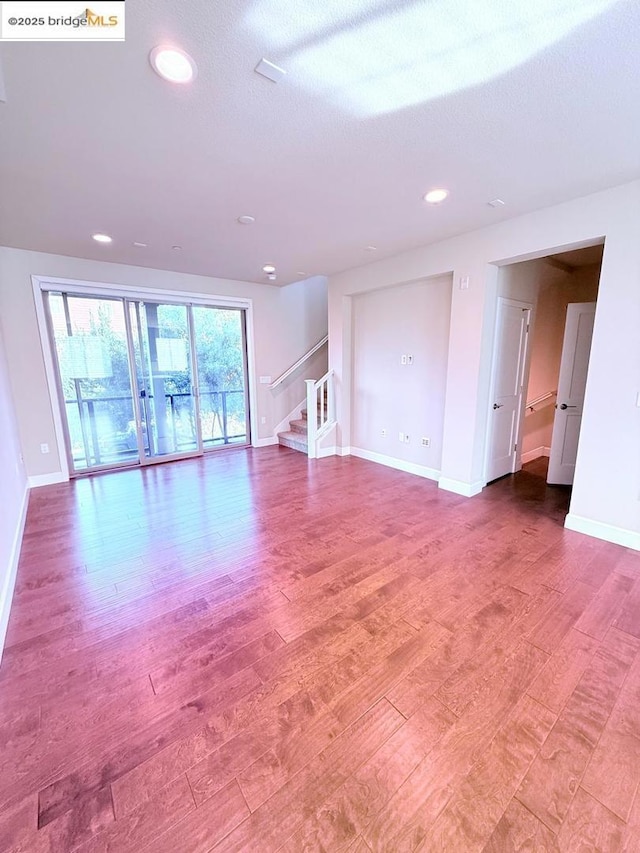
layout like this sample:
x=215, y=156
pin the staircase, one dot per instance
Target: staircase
x=304, y=435
x=296, y=436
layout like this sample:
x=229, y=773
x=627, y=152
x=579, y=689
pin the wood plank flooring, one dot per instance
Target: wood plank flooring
x=258, y=652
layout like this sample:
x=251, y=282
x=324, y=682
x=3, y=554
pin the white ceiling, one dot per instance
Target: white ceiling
x=534, y=103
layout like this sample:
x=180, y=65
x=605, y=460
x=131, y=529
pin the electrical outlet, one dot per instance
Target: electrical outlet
x=406, y=438
x=384, y=433
x=400, y=436
x=409, y=359
x=426, y=442
x=44, y=448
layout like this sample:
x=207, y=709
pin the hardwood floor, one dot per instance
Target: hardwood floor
x=254, y=652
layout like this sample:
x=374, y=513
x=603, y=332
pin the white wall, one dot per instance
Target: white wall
x=287, y=322
x=411, y=319
x=13, y=493
x=606, y=493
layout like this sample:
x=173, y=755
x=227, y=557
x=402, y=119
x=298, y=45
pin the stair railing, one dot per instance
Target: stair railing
x=321, y=409
x=530, y=405
x=299, y=362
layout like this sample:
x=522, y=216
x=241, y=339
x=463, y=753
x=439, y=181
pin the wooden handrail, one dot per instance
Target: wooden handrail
x=531, y=403
x=300, y=361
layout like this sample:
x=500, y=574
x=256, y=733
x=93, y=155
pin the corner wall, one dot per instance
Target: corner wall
x=13, y=496
x=606, y=493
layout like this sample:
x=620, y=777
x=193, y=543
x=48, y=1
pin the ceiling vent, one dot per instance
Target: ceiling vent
x=270, y=71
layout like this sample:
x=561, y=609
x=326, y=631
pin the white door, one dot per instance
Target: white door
x=510, y=354
x=574, y=363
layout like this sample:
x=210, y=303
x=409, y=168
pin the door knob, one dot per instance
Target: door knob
x=564, y=406
x=498, y=405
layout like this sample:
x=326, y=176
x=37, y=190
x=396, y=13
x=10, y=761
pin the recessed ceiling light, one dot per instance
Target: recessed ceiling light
x=496, y=202
x=102, y=238
x=139, y=245
x=268, y=268
x=177, y=248
x=301, y=273
x=272, y=276
x=172, y=64
x=436, y=196
x=246, y=220
x=371, y=248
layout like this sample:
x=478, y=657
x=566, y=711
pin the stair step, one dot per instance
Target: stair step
x=293, y=440
x=298, y=426
x=303, y=415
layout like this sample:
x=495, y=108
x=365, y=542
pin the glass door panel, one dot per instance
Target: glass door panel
x=90, y=341
x=220, y=348
x=161, y=344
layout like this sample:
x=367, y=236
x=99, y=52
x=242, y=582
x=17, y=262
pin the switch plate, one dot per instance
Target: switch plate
x=263, y=420
x=406, y=438
x=44, y=448
x=426, y=442
x=400, y=436
x=384, y=433
x=403, y=359
x=409, y=359
x=464, y=283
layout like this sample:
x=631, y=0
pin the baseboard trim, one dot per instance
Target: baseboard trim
x=600, y=530
x=47, y=479
x=6, y=594
x=265, y=442
x=343, y=451
x=536, y=453
x=323, y=452
x=398, y=464
x=460, y=487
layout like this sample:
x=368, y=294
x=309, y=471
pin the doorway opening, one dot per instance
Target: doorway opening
x=545, y=362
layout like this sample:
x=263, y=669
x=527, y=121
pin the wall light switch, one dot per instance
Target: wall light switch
x=400, y=436
x=409, y=359
x=263, y=420
x=403, y=359
x=384, y=433
x=464, y=283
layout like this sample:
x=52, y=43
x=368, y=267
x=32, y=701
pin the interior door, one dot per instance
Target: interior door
x=510, y=353
x=572, y=381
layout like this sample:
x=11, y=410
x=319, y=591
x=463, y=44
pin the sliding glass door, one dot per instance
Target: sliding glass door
x=90, y=340
x=220, y=346
x=165, y=379
x=147, y=381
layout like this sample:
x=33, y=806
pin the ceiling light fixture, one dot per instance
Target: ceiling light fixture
x=371, y=248
x=436, y=196
x=139, y=245
x=268, y=268
x=246, y=220
x=496, y=202
x=102, y=238
x=173, y=64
